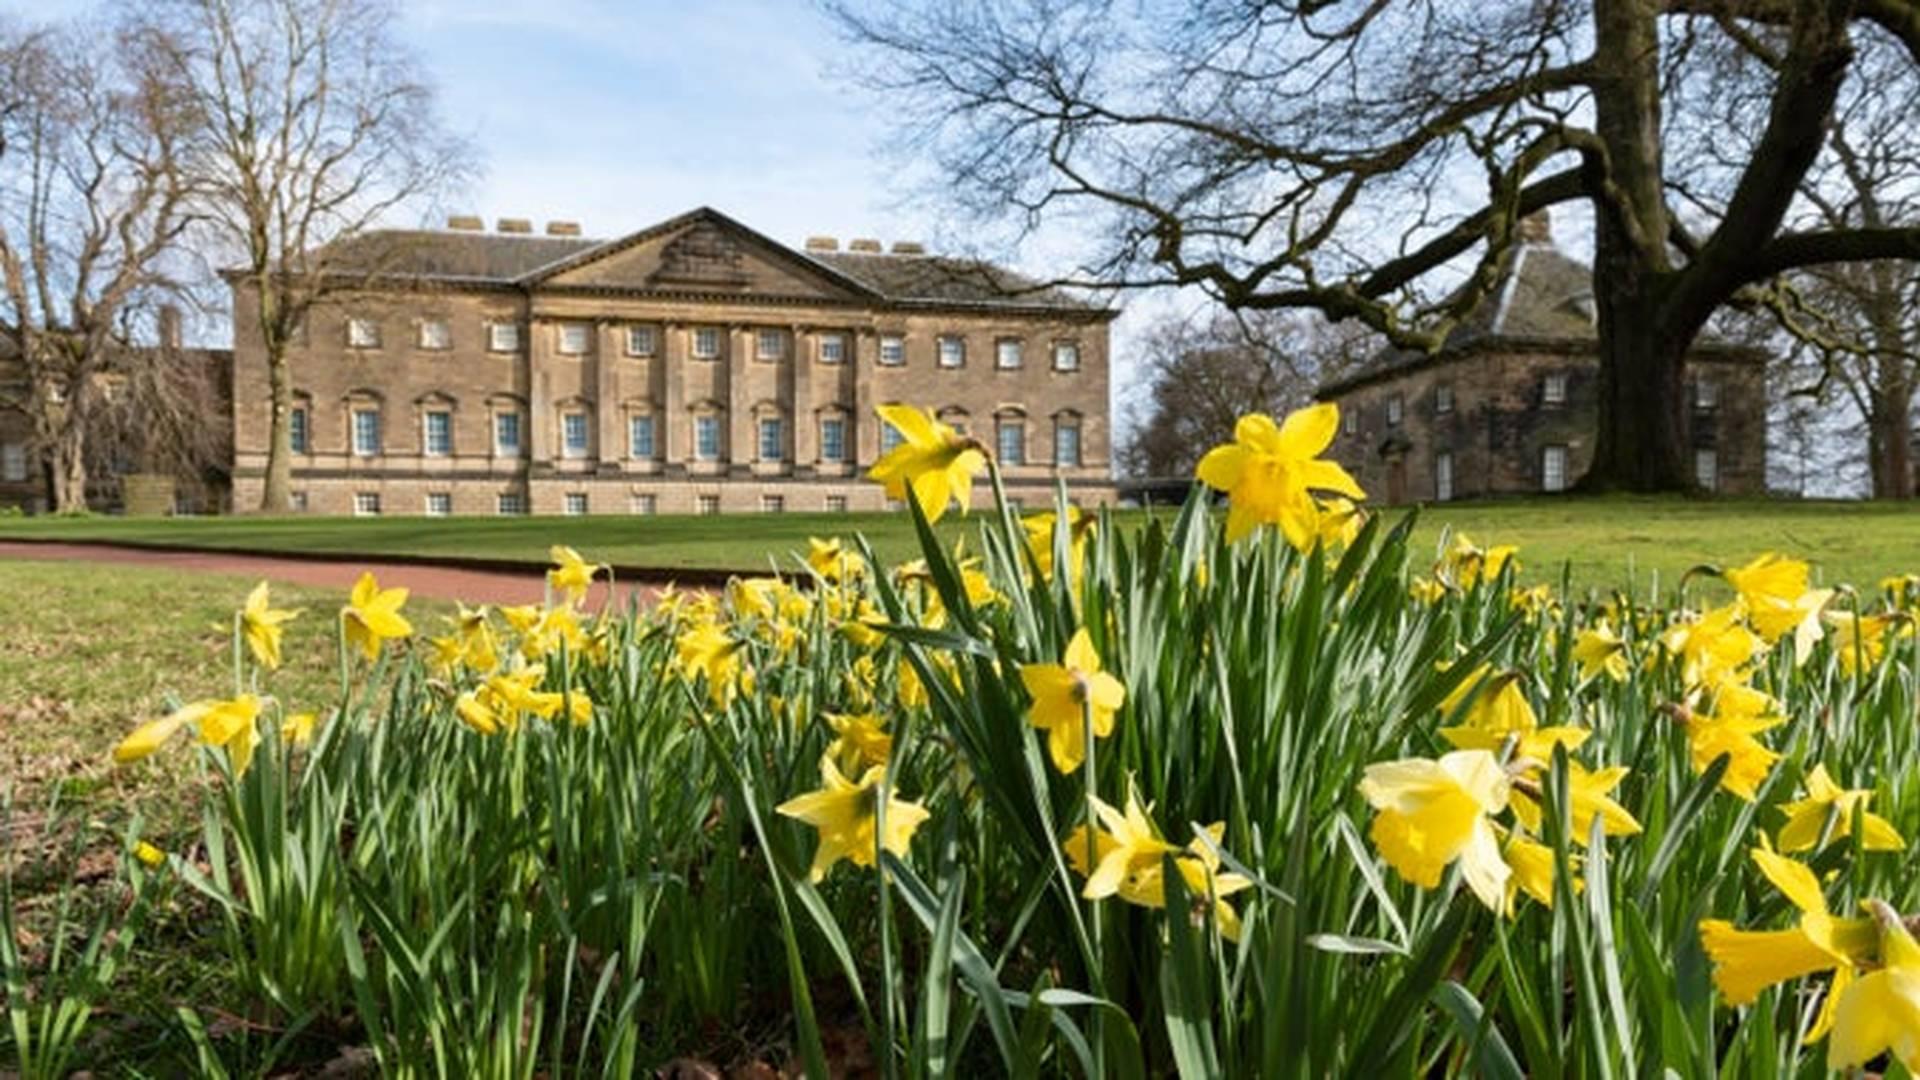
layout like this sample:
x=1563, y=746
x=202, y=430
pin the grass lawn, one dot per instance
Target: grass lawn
x=1608, y=541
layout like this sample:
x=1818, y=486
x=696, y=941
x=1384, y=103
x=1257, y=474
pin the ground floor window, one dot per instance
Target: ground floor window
x=1442, y=477
x=511, y=502
x=645, y=503
x=13, y=462
x=836, y=504
x=298, y=501
x=1706, y=469
x=707, y=504
x=575, y=503
x=439, y=503
x=1553, y=468
x=773, y=504
x=366, y=504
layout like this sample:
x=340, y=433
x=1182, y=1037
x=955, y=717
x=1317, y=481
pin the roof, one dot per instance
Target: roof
x=523, y=260
x=1542, y=296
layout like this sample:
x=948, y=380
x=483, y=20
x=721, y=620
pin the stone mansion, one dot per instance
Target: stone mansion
x=696, y=366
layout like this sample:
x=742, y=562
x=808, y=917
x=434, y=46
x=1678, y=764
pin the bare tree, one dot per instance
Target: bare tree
x=319, y=126
x=1203, y=374
x=1329, y=155
x=92, y=204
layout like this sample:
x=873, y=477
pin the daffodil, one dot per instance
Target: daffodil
x=1879, y=1013
x=1070, y=696
x=1040, y=529
x=1769, y=580
x=1340, y=521
x=1270, y=472
x=1745, y=962
x=833, y=561
x=1826, y=802
x=707, y=649
x=297, y=729
x=860, y=741
x=1859, y=641
x=933, y=461
x=1739, y=714
x=1130, y=839
x=372, y=616
x=1712, y=647
x=1598, y=650
x=1498, y=710
x=1125, y=848
x=260, y=624
x=846, y=814
x=1589, y=795
x=1431, y=813
x=571, y=575
x=149, y=855
x=1533, y=870
x=232, y=723
x=1467, y=564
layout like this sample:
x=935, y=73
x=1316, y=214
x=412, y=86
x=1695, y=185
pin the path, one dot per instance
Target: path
x=436, y=582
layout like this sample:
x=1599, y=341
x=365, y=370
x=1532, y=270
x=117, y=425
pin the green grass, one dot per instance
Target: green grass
x=1608, y=542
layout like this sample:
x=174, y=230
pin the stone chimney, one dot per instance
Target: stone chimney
x=514, y=225
x=170, y=337
x=563, y=228
x=822, y=243
x=1536, y=229
x=909, y=247
x=863, y=244
x=466, y=223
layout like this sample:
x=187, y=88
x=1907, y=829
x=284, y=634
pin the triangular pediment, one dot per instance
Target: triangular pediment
x=701, y=252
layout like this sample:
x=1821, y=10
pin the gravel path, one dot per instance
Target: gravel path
x=474, y=586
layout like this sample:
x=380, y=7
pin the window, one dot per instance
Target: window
x=366, y=504
x=836, y=504
x=439, y=503
x=574, y=503
x=640, y=436
x=890, y=437
x=297, y=429
x=1013, y=442
x=436, y=433
x=773, y=504
x=573, y=434
x=769, y=345
x=1553, y=468
x=1706, y=470
x=298, y=501
x=366, y=432
x=13, y=462
x=644, y=503
x=1066, y=443
x=1350, y=422
x=1066, y=356
x=833, y=348
x=706, y=504
x=706, y=342
x=1443, y=477
x=435, y=334
x=1553, y=390
x=506, y=434
x=833, y=439
x=640, y=341
x=1006, y=354
x=1395, y=408
x=772, y=436
x=706, y=438
x=363, y=333
x=1443, y=398
x=575, y=338
x=893, y=350
x=511, y=503
x=503, y=337
x=953, y=351
x=1706, y=395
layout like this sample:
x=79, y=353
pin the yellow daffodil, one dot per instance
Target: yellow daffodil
x=707, y=649
x=1589, y=794
x=1879, y=1013
x=571, y=575
x=860, y=742
x=833, y=561
x=1040, y=529
x=1427, y=591
x=297, y=729
x=1110, y=857
x=934, y=462
x=845, y=813
x=1340, y=522
x=1739, y=713
x=1598, y=650
x=149, y=855
x=1859, y=641
x=1430, y=813
x=474, y=632
x=1499, y=710
x=372, y=616
x=1466, y=564
x=1712, y=647
x=1061, y=691
x=1533, y=870
x=1767, y=581
x=1826, y=802
x=231, y=723
x=260, y=624
x=1745, y=962
x=557, y=626
x=1270, y=472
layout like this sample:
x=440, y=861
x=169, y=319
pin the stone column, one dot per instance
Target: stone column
x=800, y=400
x=540, y=418
x=675, y=427
x=741, y=447
x=863, y=434
x=606, y=394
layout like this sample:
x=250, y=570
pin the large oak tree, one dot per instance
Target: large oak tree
x=1371, y=158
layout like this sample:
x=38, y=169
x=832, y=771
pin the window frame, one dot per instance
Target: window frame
x=778, y=426
x=366, y=504
x=565, y=329
x=643, y=504
x=1002, y=426
x=13, y=463
x=1070, y=346
x=1443, y=471
x=1710, y=457
x=897, y=343
x=494, y=330
x=641, y=341
x=355, y=340
x=1000, y=353
x=1396, y=410
x=442, y=498
x=426, y=433
x=1547, y=454
x=574, y=504
x=509, y=504
x=699, y=334
x=958, y=343
x=300, y=429
x=760, y=339
x=568, y=449
x=839, y=343
x=652, y=450
x=837, y=424
x=836, y=504
x=500, y=448
x=1553, y=389
x=420, y=335
x=773, y=503
x=1706, y=394
x=706, y=423
x=706, y=504
x=1062, y=426
x=378, y=445
x=1443, y=398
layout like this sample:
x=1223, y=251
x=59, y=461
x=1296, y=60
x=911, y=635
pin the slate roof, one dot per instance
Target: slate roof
x=513, y=259
x=1544, y=296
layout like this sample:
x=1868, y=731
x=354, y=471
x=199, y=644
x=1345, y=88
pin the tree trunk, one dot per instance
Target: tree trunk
x=1641, y=437
x=277, y=493
x=69, y=470
x=1890, y=440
